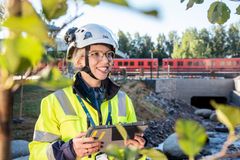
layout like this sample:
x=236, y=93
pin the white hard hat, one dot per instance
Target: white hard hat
x=91, y=34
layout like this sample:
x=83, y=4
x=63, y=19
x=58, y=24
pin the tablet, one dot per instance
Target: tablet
x=110, y=135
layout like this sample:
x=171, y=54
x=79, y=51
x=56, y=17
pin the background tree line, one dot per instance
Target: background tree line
x=217, y=42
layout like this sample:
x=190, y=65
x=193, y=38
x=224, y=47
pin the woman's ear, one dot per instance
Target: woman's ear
x=78, y=59
x=80, y=62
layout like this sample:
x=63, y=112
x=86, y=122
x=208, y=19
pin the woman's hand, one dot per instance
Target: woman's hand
x=137, y=142
x=84, y=146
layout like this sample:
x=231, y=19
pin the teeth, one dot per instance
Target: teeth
x=103, y=69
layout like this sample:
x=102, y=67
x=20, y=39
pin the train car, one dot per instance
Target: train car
x=202, y=65
x=135, y=64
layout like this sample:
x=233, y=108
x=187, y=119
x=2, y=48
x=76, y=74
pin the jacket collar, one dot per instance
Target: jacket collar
x=109, y=88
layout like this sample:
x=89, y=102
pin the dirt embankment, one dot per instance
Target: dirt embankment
x=160, y=112
x=145, y=110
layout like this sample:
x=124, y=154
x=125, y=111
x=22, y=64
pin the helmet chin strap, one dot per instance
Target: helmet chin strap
x=86, y=68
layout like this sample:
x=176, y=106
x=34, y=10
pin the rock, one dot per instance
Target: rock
x=22, y=158
x=205, y=113
x=159, y=147
x=213, y=117
x=171, y=147
x=221, y=128
x=158, y=131
x=19, y=148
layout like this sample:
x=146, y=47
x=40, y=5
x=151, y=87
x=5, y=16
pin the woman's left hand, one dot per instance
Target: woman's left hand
x=137, y=142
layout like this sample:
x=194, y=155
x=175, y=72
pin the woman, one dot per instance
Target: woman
x=92, y=100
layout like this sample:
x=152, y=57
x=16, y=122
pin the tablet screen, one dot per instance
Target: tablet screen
x=131, y=130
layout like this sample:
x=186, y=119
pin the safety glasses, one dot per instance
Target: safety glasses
x=98, y=55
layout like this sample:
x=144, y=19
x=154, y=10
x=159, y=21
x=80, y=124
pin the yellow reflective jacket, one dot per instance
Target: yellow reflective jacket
x=63, y=118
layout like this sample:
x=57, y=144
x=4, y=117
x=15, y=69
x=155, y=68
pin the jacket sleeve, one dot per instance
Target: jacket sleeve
x=47, y=142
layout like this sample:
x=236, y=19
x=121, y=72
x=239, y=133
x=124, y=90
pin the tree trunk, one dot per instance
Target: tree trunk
x=21, y=101
x=6, y=104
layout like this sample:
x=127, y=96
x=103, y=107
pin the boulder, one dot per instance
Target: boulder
x=22, y=158
x=19, y=148
x=205, y=113
x=213, y=117
x=171, y=147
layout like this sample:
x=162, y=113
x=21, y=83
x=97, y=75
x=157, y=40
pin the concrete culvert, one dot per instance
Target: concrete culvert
x=204, y=101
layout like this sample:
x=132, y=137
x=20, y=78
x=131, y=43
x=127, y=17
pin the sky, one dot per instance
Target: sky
x=173, y=16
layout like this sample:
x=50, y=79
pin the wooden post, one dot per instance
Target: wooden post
x=21, y=101
x=6, y=103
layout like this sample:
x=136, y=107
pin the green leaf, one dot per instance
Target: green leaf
x=152, y=12
x=190, y=4
x=122, y=131
x=53, y=9
x=191, y=136
x=228, y=115
x=3, y=61
x=25, y=51
x=153, y=154
x=30, y=23
x=30, y=48
x=114, y=151
x=238, y=10
x=199, y=1
x=130, y=153
x=218, y=13
x=118, y=2
x=51, y=78
x=10, y=56
x=92, y=2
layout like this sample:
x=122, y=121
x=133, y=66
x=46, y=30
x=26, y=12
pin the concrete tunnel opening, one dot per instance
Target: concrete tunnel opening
x=204, y=101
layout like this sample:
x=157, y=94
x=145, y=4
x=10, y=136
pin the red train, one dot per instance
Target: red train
x=134, y=65
x=179, y=65
x=202, y=65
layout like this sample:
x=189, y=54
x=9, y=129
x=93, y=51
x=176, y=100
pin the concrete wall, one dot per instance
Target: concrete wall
x=236, y=92
x=185, y=89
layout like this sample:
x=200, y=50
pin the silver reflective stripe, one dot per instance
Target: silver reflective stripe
x=44, y=136
x=121, y=103
x=65, y=103
x=50, y=154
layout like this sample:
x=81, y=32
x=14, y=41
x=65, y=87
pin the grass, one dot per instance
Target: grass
x=32, y=96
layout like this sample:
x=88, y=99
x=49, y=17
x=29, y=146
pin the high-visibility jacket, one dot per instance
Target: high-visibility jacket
x=63, y=118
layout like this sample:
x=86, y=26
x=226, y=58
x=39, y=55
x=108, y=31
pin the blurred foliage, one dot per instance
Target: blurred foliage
x=92, y=2
x=238, y=10
x=153, y=154
x=3, y=12
x=228, y=115
x=191, y=136
x=151, y=12
x=54, y=9
x=24, y=48
x=131, y=152
x=122, y=131
x=218, y=11
x=118, y=2
x=52, y=79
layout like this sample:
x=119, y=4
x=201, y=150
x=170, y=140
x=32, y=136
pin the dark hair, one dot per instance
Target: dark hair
x=70, y=35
